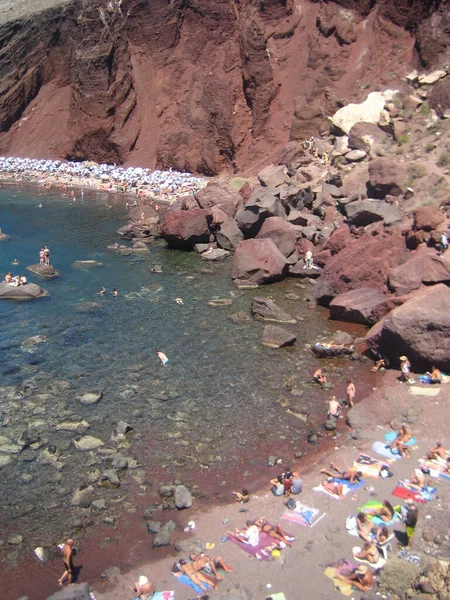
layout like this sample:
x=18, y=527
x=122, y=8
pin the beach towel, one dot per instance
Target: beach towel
x=347, y=487
x=263, y=550
x=342, y=567
x=164, y=595
x=436, y=467
x=380, y=448
x=184, y=579
x=369, y=466
x=277, y=596
x=378, y=565
x=402, y=491
x=415, y=390
x=374, y=505
x=390, y=436
x=303, y=515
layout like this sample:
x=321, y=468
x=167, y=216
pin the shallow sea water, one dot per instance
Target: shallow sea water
x=222, y=399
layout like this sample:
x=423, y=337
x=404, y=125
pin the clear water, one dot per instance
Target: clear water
x=222, y=394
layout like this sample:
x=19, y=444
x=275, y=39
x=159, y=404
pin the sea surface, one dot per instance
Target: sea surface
x=222, y=403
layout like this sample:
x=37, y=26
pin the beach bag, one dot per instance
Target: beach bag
x=385, y=472
x=291, y=503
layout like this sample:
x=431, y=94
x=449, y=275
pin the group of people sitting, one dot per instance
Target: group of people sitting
x=15, y=280
x=286, y=484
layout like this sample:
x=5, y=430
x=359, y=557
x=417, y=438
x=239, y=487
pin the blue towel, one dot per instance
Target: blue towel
x=378, y=521
x=184, y=579
x=380, y=448
x=392, y=435
x=353, y=486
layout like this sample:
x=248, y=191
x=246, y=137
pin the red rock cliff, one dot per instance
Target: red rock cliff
x=199, y=85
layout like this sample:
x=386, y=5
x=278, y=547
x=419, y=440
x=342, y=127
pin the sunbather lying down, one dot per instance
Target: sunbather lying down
x=334, y=487
x=202, y=562
x=351, y=474
x=274, y=531
x=197, y=577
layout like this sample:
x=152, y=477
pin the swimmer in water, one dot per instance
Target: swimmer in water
x=15, y=262
x=40, y=205
x=179, y=300
x=115, y=292
x=102, y=292
x=162, y=357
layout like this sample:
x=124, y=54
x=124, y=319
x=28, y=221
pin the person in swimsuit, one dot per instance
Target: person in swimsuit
x=351, y=391
x=386, y=512
x=196, y=577
x=242, y=497
x=143, y=588
x=351, y=474
x=210, y=565
x=335, y=488
x=361, y=578
x=437, y=452
x=399, y=444
x=334, y=408
x=319, y=377
x=369, y=553
x=67, y=553
x=364, y=526
x=274, y=531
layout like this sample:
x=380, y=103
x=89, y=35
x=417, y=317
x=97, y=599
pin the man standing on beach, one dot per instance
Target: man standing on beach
x=67, y=553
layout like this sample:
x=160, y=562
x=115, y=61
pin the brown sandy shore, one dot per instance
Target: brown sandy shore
x=300, y=570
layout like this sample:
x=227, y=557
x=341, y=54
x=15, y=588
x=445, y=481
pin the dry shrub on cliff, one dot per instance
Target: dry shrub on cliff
x=397, y=577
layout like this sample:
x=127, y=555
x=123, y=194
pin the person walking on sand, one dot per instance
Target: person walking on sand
x=351, y=392
x=67, y=553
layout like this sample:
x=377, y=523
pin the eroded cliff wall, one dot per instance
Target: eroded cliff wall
x=199, y=85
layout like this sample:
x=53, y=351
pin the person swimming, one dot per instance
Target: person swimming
x=163, y=358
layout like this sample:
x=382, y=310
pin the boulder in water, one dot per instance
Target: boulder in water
x=46, y=271
x=266, y=310
x=29, y=291
x=277, y=337
x=86, y=264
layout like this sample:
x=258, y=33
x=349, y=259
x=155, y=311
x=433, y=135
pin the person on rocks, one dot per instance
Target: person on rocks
x=46, y=255
x=399, y=444
x=361, y=578
x=201, y=562
x=319, y=376
x=443, y=244
x=41, y=256
x=405, y=367
x=9, y=277
x=436, y=453
x=334, y=408
x=435, y=375
x=351, y=392
x=273, y=531
x=308, y=260
x=23, y=280
x=381, y=364
x=296, y=484
x=242, y=497
x=143, y=588
x=352, y=475
x=67, y=553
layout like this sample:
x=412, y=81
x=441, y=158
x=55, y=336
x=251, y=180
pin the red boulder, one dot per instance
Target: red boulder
x=258, y=261
x=185, y=228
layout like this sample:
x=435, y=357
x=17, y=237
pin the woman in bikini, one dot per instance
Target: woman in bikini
x=274, y=531
x=399, y=444
x=369, y=553
x=386, y=512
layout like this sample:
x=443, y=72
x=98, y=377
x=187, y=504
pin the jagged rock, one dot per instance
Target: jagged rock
x=365, y=136
x=433, y=77
x=423, y=267
x=183, y=497
x=34, y=341
x=266, y=310
x=273, y=176
x=189, y=546
x=387, y=176
x=184, y=228
x=261, y=205
x=163, y=536
x=298, y=270
x=216, y=195
x=364, y=262
x=29, y=291
x=364, y=212
x=90, y=398
x=283, y=234
x=121, y=430
x=83, y=497
x=420, y=328
x=5, y=460
x=119, y=462
x=364, y=305
x=78, y=591
x=258, y=261
x=229, y=236
x=43, y=270
x=110, y=476
x=99, y=505
x=15, y=539
x=428, y=218
x=88, y=442
x=338, y=240
x=292, y=155
x=218, y=217
x=153, y=526
x=277, y=337
x=166, y=491
x=330, y=424
x=215, y=254
x=76, y=426
x=439, y=99
x=368, y=111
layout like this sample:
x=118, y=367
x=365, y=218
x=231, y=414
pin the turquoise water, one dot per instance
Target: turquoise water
x=221, y=396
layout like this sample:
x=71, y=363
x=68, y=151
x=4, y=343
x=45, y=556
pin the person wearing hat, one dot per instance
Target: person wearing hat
x=361, y=578
x=143, y=588
x=405, y=367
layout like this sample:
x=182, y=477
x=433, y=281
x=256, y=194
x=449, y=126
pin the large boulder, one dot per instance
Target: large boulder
x=283, y=234
x=420, y=329
x=428, y=218
x=293, y=155
x=364, y=212
x=215, y=194
x=258, y=261
x=43, y=270
x=261, y=205
x=266, y=310
x=29, y=291
x=184, y=228
x=364, y=305
x=163, y=536
x=338, y=240
x=423, y=267
x=277, y=337
x=387, y=176
x=365, y=136
x=273, y=175
x=229, y=235
x=183, y=497
x=78, y=591
x=365, y=262
x=369, y=111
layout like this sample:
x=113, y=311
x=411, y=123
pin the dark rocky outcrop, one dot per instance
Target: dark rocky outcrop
x=258, y=261
x=364, y=212
x=183, y=229
x=364, y=305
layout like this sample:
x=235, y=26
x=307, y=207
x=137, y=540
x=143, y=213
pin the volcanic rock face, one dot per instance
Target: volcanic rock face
x=200, y=86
